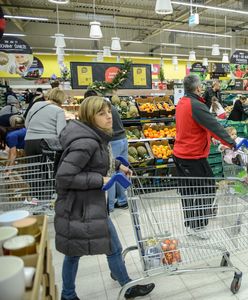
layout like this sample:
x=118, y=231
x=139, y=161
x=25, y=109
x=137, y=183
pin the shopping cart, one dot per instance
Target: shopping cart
x=29, y=184
x=165, y=209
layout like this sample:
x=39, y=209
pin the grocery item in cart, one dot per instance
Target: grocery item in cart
x=171, y=253
x=153, y=255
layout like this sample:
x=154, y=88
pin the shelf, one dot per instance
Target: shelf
x=146, y=120
x=148, y=140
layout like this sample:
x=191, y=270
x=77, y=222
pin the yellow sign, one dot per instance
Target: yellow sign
x=84, y=75
x=139, y=76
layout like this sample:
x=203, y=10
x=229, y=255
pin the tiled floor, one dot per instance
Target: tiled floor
x=93, y=280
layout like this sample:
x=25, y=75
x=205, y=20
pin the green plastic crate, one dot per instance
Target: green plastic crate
x=214, y=149
x=215, y=159
x=217, y=169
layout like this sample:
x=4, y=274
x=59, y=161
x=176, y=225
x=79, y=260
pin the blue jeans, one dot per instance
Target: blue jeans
x=115, y=262
x=119, y=148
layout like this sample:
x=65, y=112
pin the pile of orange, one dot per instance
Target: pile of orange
x=148, y=107
x=161, y=133
x=161, y=151
x=171, y=253
x=165, y=106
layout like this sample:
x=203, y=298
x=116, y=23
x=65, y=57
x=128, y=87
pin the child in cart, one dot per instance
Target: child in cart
x=234, y=157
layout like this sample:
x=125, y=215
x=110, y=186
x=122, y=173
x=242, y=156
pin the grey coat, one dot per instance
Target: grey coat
x=81, y=210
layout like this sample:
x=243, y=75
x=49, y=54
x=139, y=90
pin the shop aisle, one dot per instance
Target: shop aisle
x=94, y=283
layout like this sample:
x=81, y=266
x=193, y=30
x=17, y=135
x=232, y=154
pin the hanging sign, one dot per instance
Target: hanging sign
x=239, y=58
x=2, y=23
x=198, y=67
x=84, y=74
x=220, y=68
x=35, y=71
x=15, y=55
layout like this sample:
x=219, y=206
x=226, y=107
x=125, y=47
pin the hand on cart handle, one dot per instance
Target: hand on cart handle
x=244, y=142
x=123, y=160
x=128, y=172
x=119, y=177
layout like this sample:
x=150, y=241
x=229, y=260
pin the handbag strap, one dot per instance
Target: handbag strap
x=38, y=110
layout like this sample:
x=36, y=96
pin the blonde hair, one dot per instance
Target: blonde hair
x=56, y=95
x=230, y=129
x=16, y=121
x=214, y=101
x=90, y=107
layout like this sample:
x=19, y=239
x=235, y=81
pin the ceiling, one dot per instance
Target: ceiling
x=136, y=21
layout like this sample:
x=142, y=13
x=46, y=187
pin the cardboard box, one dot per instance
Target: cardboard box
x=145, y=114
x=160, y=161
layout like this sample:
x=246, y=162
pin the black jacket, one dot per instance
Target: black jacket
x=208, y=94
x=237, y=113
x=81, y=211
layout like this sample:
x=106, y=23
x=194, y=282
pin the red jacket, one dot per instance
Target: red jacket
x=195, y=126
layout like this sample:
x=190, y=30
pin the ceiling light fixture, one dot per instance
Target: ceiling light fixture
x=210, y=47
x=14, y=34
x=106, y=51
x=59, y=1
x=197, y=32
x=205, y=61
x=115, y=44
x=174, y=60
x=95, y=27
x=211, y=7
x=163, y=7
x=225, y=58
x=25, y=18
x=215, y=50
x=192, y=56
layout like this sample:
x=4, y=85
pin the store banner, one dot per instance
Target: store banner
x=84, y=74
x=15, y=56
x=198, y=69
x=155, y=69
x=35, y=71
x=239, y=58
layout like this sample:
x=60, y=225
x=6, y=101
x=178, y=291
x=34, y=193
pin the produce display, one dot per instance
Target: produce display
x=171, y=253
x=161, y=150
x=137, y=153
x=133, y=132
x=159, y=131
x=148, y=107
x=126, y=106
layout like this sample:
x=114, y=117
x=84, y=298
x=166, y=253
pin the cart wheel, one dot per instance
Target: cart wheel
x=236, y=283
x=224, y=262
x=112, y=276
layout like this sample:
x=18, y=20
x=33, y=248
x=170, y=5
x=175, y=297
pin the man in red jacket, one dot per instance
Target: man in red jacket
x=195, y=126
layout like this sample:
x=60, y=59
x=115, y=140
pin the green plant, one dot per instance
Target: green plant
x=103, y=87
x=161, y=75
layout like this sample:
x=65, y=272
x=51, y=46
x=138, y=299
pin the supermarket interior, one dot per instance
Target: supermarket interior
x=123, y=149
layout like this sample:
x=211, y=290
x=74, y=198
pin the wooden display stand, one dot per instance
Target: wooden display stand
x=44, y=281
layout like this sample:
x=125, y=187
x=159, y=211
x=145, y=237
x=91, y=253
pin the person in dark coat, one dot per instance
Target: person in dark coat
x=238, y=111
x=38, y=96
x=82, y=224
x=214, y=91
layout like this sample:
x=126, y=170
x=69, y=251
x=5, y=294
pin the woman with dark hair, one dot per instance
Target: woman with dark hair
x=238, y=111
x=82, y=224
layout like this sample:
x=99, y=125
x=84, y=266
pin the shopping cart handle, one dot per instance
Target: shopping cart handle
x=123, y=161
x=120, y=178
x=244, y=142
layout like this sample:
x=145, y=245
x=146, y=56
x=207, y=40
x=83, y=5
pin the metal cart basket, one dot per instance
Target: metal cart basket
x=29, y=184
x=181, y=222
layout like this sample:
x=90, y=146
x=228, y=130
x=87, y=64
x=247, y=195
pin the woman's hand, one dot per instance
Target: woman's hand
x=105, y=179
x=126, y=170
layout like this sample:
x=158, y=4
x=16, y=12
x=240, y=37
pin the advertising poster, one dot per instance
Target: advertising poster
x=198, y=69
x=15, y=56
x=239, y=64
x=84, y=74
x=155, y=69
x=139, y=76
x=35, y=71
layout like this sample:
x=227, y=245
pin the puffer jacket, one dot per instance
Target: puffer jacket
x=81, y=210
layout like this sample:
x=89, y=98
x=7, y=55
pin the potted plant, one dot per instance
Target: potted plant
x=161, y=78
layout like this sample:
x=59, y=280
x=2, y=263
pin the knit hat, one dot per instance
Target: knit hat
x=12, y=100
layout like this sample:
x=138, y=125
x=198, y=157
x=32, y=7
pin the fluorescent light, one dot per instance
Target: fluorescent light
x=169, y=44
x=210, y=47
x=211, y=7
x=132, y=42
x=143, y=42
x=76, y=38
x=241, y=49
x=25, y=18
x=197, y=32
x=14, y=34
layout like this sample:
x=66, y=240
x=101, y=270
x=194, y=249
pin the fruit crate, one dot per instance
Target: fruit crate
x=163, y=102
x=241, y=127
x=215, y=159
x=160, y=160
x=134, y=132
x=217, y=169
x=158, y=127
x=146, y=161
x=144, y=113
x=214, y=149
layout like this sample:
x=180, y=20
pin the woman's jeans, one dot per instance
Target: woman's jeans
x=115, y=262
x=119, y=148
